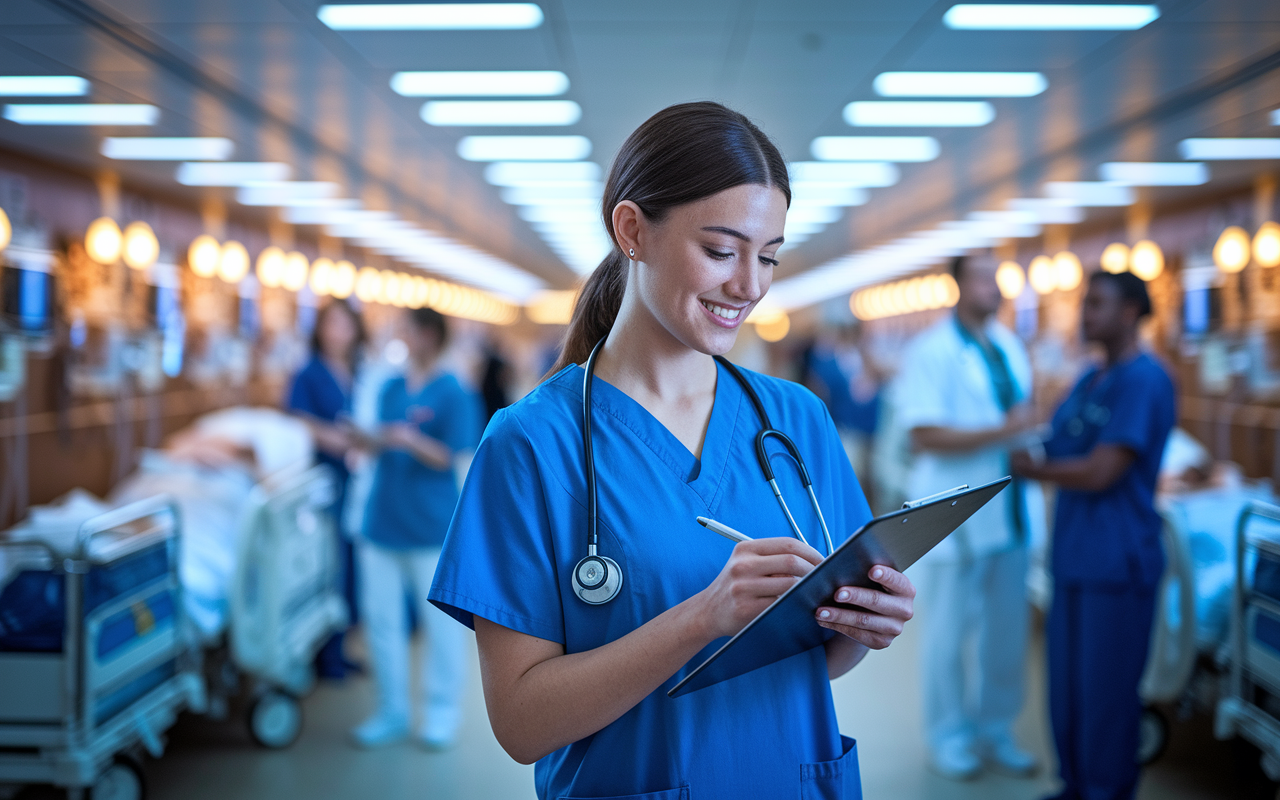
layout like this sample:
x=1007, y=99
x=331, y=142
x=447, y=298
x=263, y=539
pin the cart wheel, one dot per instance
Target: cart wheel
x=275, y=720
x=120, y=781
x=1153, y=735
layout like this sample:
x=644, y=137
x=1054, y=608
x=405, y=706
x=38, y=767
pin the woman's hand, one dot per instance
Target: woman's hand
x=871, y=617
x=756, y=573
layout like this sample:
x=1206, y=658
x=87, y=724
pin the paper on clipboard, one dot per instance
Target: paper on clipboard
x=787, y=627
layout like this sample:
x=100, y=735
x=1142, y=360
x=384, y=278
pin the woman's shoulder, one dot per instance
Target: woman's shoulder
x=784, y=396
x=553, y=405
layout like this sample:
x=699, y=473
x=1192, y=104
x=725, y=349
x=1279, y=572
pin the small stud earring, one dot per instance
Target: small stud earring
x=631, y=252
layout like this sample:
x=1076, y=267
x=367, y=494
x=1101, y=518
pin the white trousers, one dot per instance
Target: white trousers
x=385, y=575
x=975, y=617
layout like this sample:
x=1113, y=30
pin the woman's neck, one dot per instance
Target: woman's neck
x=1121, y=349
x=644, y=360
x=418, y=370
x=338, y=365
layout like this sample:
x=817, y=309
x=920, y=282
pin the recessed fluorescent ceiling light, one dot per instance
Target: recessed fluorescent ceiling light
x=819, y=215
x=533, y=195
x=501, y=112
x=1091, y=193
x=1048, y=17
x=167, y=148
x=532, y=173
x=917, y=113
x=1048, y=210
x=524, y=148
x=827, y=194
x=1145, y=173
x=959, y=84
x=862, y=174
x=874, y=148
x=431, y=16
x=42, y=86
x=1275, y=117
x=82, y=114
x=526, y=83
x=281, y=193
x=1229, y=149
x=232, y=173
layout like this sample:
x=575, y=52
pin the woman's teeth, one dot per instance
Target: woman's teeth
x=721, y=311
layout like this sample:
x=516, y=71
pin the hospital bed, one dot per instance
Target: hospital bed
x=93, y=675
x=1250, y=706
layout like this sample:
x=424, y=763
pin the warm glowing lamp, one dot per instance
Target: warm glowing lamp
x=1115, y=258
x=1041, y=275
x=140, y=246
x=1231, y=253
x=6, y=230
x=204, y=255
x=1266, y=245
x=343, y=282
x=951, y=290
x=103, y=240
x=270, y=267
x=368, y=285
x=233, y=263
x=1011, y=279
x=407, y=293
x=295, y=272
x=321, y=279
x=1146, y=260
x=1067, y=269
x=390, y=287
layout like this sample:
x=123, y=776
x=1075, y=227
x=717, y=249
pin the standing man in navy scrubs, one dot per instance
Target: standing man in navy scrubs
x=1108, y=438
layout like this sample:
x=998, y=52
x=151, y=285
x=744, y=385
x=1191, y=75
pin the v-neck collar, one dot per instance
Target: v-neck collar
x=704, y=476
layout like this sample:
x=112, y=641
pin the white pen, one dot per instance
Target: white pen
x=723, y=530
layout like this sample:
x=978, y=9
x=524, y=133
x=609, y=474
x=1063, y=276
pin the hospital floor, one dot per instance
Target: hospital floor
x=877, y=703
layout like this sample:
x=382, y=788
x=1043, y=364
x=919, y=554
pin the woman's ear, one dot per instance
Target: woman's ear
x=627, y=222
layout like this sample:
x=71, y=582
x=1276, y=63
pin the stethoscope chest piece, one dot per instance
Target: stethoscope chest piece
x=597, y=579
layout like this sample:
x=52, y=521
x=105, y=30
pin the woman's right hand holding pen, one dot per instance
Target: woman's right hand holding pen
x=757, y=572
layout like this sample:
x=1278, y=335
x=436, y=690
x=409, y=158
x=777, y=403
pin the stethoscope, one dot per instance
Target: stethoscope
x=597, y=579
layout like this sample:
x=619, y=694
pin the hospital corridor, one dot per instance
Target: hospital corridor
x=619, y=400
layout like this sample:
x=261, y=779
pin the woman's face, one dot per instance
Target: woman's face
x=704, y=267
x=338, y=333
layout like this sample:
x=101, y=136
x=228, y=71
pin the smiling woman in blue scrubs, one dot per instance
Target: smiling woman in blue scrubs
x=695, y=204
x=1108, y=438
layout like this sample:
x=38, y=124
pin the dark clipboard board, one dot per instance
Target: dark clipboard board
x=787, y=627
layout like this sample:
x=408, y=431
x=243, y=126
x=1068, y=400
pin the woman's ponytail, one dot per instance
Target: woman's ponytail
x=595, y=310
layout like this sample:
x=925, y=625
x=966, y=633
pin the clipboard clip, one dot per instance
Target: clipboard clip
x=939, y=496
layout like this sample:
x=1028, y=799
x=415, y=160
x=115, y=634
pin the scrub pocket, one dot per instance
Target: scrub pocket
x=833, y=780
x=670, y=794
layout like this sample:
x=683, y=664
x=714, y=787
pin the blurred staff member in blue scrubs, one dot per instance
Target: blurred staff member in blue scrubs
x=962, y=394
x=321, y=395
x=1108, y=439
x=695, y=204
x=427, y=418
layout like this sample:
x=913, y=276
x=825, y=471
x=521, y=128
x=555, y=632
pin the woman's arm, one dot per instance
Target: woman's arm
x=430, y=451
x=1095, y=472
x=541, y=699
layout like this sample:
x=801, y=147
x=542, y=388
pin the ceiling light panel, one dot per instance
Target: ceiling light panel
x=1229, y=149
x=1049, y=17
x=875, y=148
x=282, y=193
x=1147, y=173
x=501, y=112
x=524, y=148
x=534, y=173
x=167, y=148
x=231, y=173
x=959, y=84
x=1048, y=210
x=919, y=113
x=431, y=16
x=1275, y=117
x=1091, y=193
x=589, y=193
x=853, y=174
x=43, y=86
x=829, y=194
x=527, y=83
x=82, y=114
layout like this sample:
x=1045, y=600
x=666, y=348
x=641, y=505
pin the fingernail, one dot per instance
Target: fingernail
x=842, y=596
x=876, y=574
x=824, y=614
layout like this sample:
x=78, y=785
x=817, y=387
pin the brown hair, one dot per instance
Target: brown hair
x=683, y=153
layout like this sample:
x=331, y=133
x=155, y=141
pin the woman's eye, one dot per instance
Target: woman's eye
x=772, y=262
x=717, y=255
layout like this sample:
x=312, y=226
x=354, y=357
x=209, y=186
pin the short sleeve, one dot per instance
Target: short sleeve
x=301, y=397
x=462, y=428
x=920, y=393
x=1137, y=414
x=498, y=558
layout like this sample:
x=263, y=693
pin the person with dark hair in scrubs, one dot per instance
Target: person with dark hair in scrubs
x=427, y=418
x=321, y=395
x=1104, y=455
x=577, y=659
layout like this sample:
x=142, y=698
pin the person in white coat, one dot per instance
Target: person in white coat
x=962, y=397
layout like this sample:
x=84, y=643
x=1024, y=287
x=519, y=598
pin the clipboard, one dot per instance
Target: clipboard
x=787, y=627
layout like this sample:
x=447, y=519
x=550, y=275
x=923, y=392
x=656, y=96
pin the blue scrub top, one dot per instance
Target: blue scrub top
x=521, y=526
x=411, y=503
x=1113, y=536
x=316, y=392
